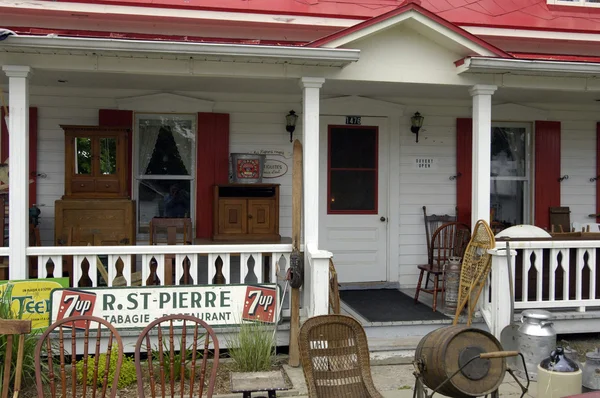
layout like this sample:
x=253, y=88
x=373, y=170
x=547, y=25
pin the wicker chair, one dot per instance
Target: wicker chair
x=335, y=358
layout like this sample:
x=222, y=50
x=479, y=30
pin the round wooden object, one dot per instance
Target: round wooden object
x=444, y=350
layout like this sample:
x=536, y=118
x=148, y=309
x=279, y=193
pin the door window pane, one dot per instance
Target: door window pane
x=83, y=155
x=108, y=156
x=353, y=148
x=353, y=190
x=352, y=170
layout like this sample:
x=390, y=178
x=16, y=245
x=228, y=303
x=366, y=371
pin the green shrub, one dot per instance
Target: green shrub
x=252, y=347
x=177, y=357
x=28, y=374
x=127, y=376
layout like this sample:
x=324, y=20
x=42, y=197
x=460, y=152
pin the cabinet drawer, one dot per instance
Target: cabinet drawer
x=107, y=186
x=82, y=186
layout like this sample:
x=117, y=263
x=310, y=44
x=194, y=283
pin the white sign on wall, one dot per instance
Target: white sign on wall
x=274, y=168
x=425, y=163
x=136, y=307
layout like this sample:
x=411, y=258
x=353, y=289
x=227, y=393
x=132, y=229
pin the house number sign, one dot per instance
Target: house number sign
x=353, y=120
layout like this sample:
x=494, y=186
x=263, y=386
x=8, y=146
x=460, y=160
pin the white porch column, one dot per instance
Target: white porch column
x=310, y=122
x=482, y=144
x=18, y=180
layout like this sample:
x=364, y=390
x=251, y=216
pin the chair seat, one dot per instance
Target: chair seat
x=431, y=269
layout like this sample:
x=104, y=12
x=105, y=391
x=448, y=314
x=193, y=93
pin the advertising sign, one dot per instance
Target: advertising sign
x=136, y=307
x=31, y=298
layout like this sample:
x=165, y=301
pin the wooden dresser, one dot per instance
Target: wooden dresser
x=246, y=212
x=95, y=208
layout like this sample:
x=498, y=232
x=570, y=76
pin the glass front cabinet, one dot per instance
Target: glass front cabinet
x=96, y=162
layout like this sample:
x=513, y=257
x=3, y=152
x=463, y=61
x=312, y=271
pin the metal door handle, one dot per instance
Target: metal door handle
x=382, y=219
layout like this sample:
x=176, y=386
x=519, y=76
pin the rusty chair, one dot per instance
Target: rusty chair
x=166, y=371
x=449, y=240
x=12, y=328
x=335, y=358
x=58, y=352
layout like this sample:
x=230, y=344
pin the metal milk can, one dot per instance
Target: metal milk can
x=591, y=371
x=536, y=338
x=452, y=283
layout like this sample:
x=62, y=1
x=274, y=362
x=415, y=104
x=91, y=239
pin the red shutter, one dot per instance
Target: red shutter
x=597, y=172
x=120, y=118
x=33, y=132
x=464, y=165
x=547, y=170
x=212, y=166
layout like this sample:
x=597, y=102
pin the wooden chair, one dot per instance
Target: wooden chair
x=334, y=290
x=159, y=347
x=334, y=354
x=560, y=219
x=432, y=223
x=12, y=328
x=174, y=231
x=53, y=347
x=449, y=240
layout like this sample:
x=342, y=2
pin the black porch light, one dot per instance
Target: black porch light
x=290, y=123
x=416, y=122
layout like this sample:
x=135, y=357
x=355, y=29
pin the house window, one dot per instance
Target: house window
x=510, y=174
x=583, y=3
x=165, y=147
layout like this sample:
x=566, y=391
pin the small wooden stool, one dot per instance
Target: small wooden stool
x=249, y=382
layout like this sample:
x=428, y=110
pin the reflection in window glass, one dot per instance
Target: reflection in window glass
x=83, y=155
x=353, y=190
x=163, y=198
x=108, y=156
x=509, y=188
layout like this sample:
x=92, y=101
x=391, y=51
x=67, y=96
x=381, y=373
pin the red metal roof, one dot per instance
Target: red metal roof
x=411, y=6
x=520, y=14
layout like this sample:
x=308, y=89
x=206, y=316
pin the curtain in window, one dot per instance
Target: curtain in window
x=184, y=140
x=149, y=130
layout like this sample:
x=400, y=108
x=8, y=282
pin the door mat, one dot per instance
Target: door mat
x=388, y=305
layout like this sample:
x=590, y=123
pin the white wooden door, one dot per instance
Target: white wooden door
x=353, y=208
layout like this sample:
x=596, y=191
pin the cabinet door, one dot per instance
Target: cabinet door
x=232, y=216
x=261, y=216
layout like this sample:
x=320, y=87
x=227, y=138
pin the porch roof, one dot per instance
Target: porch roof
x=208, y=51
x=538, y=67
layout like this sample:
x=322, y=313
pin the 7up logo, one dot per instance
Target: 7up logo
x=260, y=304
x=75, y=303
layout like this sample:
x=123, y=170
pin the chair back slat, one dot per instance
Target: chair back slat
x=432, y=223
x=173, y=383
x=89, y=327
x=14, y=330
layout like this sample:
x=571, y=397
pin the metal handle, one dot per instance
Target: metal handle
x=249, y=215
x=82, y=185
x=107, y=185
x=498, y=354
x=382, y=219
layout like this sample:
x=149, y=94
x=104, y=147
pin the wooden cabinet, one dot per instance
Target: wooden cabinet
x=106, y=222
x=96, y=162
x=246, y=212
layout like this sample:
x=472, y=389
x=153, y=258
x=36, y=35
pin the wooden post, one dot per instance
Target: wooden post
x=294, y=359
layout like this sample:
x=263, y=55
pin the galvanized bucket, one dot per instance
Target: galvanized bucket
x=247, y=168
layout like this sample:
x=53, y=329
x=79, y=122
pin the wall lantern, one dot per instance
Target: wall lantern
x=416, y=122
x=290, y=123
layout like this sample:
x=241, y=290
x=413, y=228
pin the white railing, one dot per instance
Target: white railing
x=546, y=274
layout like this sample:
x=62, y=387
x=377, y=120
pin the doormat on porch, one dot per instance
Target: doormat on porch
x=388, y=305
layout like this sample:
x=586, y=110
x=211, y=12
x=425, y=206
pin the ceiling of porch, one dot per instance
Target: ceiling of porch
x=290, y=86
